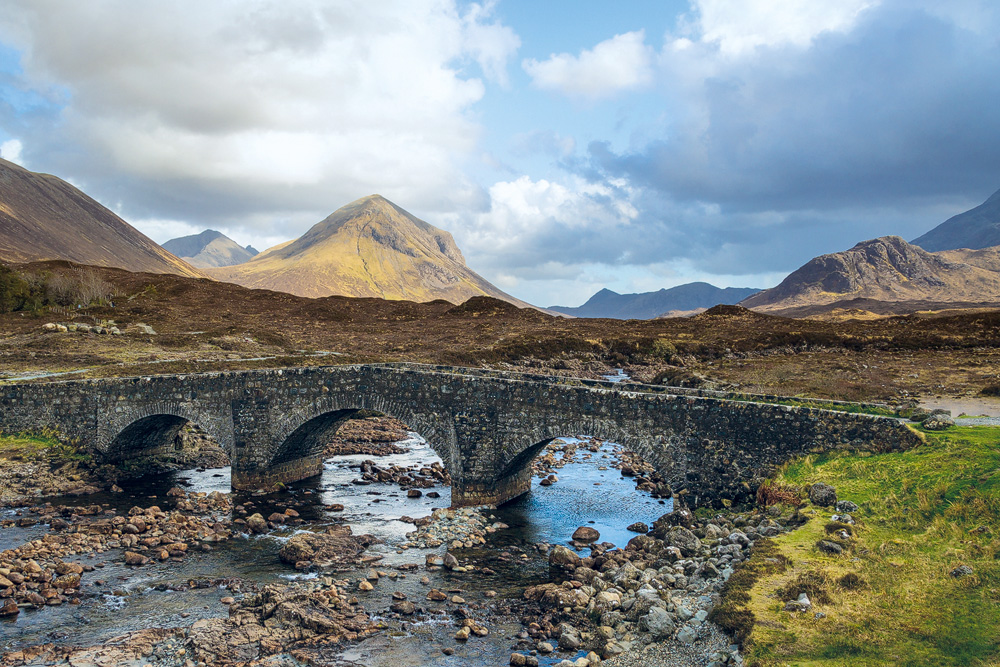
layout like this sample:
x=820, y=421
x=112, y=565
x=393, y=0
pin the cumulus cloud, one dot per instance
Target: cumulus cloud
x=489, y=42
x=620, y=63
x=226, y=113
x=740, y=26
x=800, y=150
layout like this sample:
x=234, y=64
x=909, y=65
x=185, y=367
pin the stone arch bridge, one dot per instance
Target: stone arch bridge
x=487, y=426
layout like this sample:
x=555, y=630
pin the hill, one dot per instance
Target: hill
x=209, y=249
x=43, y=217
x=647, y=305
x=976, y=228
x=368, y=248
x=886, y=269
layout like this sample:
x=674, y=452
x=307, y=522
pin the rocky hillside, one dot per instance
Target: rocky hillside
x=647, y=305
x=43, y=217
x=369, y=248
x=886, y=269
x=976, y=228
x=210, y=249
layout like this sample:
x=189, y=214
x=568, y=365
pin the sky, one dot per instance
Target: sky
x=568, y=146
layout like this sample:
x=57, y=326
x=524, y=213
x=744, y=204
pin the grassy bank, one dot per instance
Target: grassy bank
x=889, y=598
x=35, y=447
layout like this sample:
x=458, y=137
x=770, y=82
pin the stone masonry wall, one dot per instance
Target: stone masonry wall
x=485, y=426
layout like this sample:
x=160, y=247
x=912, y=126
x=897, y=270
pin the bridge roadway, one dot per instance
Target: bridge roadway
x=486, y=426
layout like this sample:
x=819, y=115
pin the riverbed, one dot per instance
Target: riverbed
x=173, y=594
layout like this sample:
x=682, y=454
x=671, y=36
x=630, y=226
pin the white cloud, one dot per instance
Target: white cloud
x=10, y=150
x=620, y=63
x=740, y=26
x=490, y=43
x=268, y=108
x=523, y=212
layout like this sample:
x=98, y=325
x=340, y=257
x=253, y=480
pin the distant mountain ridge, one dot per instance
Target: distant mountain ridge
x=210, y=249
x=976, y=228
x=368, y=248
x=647, y=305
x=886, y=269
x=43, y=217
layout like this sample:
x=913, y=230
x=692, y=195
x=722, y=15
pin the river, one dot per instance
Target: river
x=160, y=594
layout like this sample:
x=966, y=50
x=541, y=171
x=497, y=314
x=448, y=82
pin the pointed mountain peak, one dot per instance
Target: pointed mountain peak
x=370, y=247
x=976, y=228
x=883, y=269
x=209, y=249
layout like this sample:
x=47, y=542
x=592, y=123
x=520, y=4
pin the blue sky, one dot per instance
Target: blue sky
x=567, y=146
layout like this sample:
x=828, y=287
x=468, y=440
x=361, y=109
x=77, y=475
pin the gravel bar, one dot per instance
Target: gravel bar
x=711, y=641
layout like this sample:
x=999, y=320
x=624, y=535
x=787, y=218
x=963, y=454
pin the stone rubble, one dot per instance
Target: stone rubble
x=660, y=589
x=466, y=527
x=37, y=573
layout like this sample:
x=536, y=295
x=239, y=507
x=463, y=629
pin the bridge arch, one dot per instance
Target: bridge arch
x=665, y=450
x=303, y=433
x=152, y=426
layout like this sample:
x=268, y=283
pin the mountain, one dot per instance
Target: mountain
x=886, y=269
x=43, y=217
x=647, y=305
x=368, y=248
x=208, y=249
x=976, y=228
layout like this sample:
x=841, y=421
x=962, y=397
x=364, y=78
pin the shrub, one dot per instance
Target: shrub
x=773, y=493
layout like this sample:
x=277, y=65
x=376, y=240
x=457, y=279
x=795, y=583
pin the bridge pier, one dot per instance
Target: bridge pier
x=491, y=493
x=280, y=473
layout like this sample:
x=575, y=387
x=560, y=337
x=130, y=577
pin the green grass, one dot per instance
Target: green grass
x=922, y=513
x=42, y=445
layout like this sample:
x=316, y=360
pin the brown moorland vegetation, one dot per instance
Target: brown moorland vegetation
x=206, y=325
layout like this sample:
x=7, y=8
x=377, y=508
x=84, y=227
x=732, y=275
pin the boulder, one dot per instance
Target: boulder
x=335, y=548
x=133, y=558
x=846, y=506
x=638, y=527
x=657, y=622
x=683, y=539
x=687, y=635
x=257, y=524
x=679, y=517
x=714, y=532
x=937, y=422
x=561, y=556
x=569, y=638
x=586, y=534
x=802, y=604
x=822, y=494
x=828, y=547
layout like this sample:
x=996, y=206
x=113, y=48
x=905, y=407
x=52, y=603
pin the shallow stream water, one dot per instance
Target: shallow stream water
x=146, y=597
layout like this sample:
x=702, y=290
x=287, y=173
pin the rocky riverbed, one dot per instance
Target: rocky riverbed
x=176, y=571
